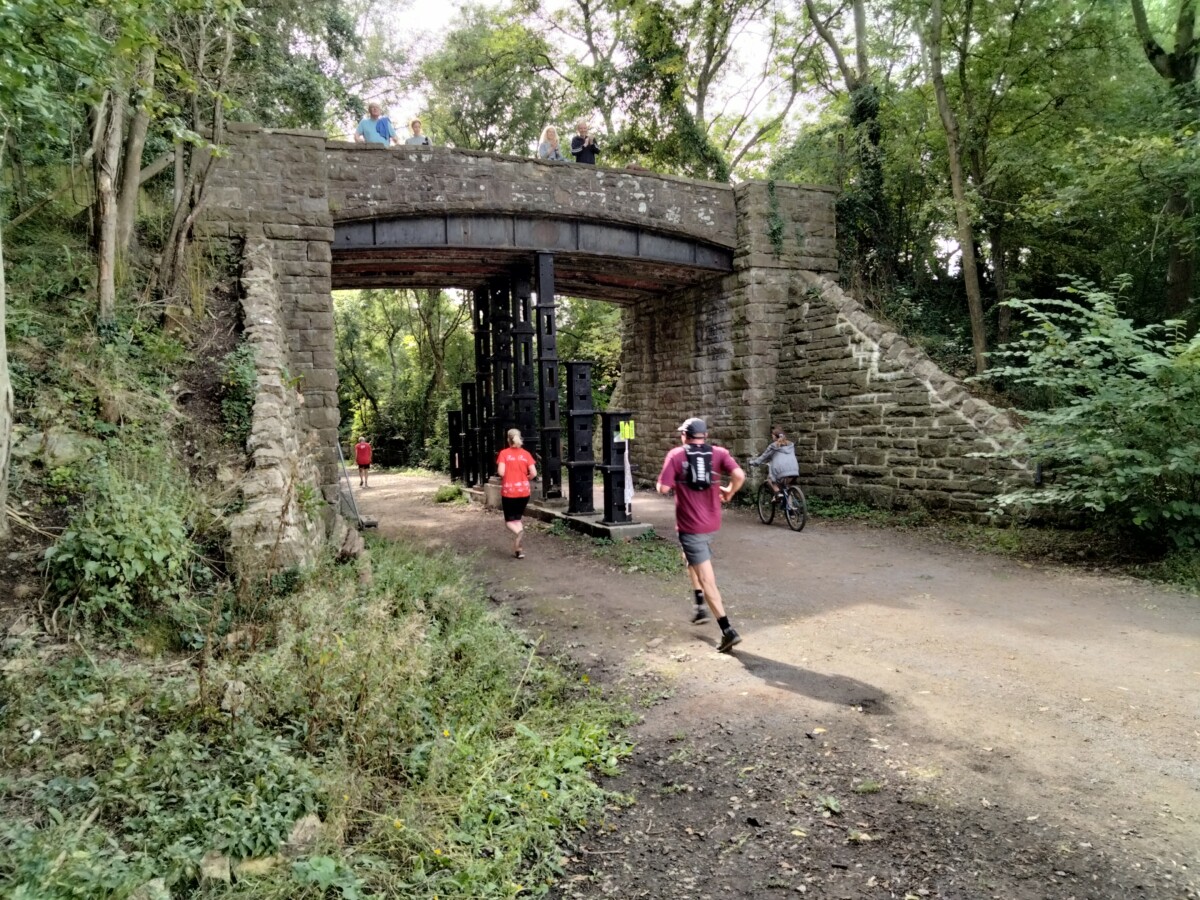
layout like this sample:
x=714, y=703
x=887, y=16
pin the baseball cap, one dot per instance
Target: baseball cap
x=693, y=427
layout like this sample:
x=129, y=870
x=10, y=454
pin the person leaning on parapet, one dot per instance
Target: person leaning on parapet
x=417, y=137
x=376, y=128
x=583, y=145
x=780, y=457
x=694, y=471
x=548, y=145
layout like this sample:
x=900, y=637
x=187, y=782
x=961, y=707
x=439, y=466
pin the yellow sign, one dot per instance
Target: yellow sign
x=627, y=430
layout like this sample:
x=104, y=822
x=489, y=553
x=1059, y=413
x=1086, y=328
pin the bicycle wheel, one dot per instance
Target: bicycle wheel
x=796, y=509
x=766, y=504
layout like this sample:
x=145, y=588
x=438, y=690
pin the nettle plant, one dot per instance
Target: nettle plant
x=128, y=548
x=1121, y=435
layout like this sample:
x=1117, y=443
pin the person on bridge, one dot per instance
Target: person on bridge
x=362, y=456
x=693, y=470
x=515, y=467
x=376, y=128
x=548, y=145
x=417, y=137
x=780, y=457
x=583, y=145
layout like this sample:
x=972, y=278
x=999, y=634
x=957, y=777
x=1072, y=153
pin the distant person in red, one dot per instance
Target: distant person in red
x=362, y=456
x=515, y=467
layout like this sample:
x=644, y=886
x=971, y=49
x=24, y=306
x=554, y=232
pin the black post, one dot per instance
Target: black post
x=547, y=337
x=615, y=448
x=581, y=458
x=470, y=434
x=483, y=386
x=502, y=359
x=525, y=397
x=454, y=427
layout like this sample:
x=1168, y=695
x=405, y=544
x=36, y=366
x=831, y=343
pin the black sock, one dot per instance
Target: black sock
x=699, y=597
x=723, y=623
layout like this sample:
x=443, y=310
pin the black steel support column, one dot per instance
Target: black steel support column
x=614, y=449
x=483, y=385
x=581, y=458
x=502, y=359
x=470, y=411
x=547, y=350
x=454, y=429
x=525, y=397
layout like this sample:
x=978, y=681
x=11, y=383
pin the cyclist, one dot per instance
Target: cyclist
x=780, y=457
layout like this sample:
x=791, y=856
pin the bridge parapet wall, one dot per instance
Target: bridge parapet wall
x=369, y=182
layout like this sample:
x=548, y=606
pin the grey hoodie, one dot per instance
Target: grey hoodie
x=781, y=459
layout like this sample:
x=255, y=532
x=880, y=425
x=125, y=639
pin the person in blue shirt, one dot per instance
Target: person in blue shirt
x=376, y=128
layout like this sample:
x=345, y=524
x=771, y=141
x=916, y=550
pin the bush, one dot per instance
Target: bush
x=1122, y=434
x=449, y=493
x=127, y=549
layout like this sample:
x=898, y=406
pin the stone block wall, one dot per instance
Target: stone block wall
x=875, y=419
x=777, y=342
x=271, y=191
x=284, y=522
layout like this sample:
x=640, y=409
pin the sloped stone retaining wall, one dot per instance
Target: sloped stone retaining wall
x=873, y=418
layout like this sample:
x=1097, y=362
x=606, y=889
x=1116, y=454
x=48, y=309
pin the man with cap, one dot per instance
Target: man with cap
x=698, y=516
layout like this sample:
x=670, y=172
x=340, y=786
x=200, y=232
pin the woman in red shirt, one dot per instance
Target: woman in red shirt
x=515, y=467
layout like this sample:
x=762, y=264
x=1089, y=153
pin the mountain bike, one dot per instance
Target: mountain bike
x=790, y=499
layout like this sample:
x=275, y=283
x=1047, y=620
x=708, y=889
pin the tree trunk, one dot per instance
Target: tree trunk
x=958, y=188
x=127, y=200
x=106, y=211
x=1000, y=268
x=1181, y=258
x=6, y=395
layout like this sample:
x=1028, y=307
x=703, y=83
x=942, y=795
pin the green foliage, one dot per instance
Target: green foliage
x=590, y=330
x=449, y=493
x=116, y=747
x=239, y=385
x=445, y=752
x=775, y=223
x=1122, y=435
x=127, y=549
x=489, y=86
x=401, y=356
x=657, y=82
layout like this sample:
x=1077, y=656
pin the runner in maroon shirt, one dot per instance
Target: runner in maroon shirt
x=698, y=519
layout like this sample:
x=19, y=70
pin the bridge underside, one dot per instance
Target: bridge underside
x=621, y=264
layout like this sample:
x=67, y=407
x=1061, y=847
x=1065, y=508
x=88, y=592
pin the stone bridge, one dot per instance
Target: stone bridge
x=729, y=311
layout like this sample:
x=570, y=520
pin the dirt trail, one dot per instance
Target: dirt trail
x=1035, y=731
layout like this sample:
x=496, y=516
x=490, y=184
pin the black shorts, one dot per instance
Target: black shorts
x=514, y=507
x=362, y=467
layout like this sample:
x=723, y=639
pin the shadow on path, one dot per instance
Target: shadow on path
x=836, y=689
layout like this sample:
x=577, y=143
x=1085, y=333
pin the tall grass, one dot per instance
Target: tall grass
x=443, y=755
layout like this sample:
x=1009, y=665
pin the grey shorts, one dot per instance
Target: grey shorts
x=697, y=548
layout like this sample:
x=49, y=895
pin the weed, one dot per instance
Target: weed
x=450, y=493
x=127, y=549
x=239, y=384
x=868, y=787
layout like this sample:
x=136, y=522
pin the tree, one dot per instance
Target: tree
x=1180, y=68
x=39, y=40
x=489, y=85
x=401, y=355
x=863, y=207
x=932, y=40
